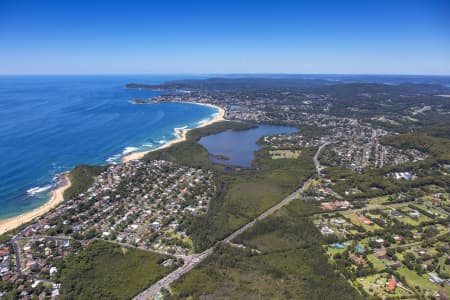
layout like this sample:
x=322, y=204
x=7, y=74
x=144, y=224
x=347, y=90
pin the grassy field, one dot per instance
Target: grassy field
x=285, y=154
x=422, y=282
x=289, y=264
x=82, y=177
x=192, y=153
x=376, y=285
x=283, y=258
x=407, y=219
x=242, y=195
x=104, y=270
x=377, y=201
x=430, y=209
x=354, y=219
x=250, y=193
x=378, y=265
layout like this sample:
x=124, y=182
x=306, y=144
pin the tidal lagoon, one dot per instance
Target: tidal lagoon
x=236, y=148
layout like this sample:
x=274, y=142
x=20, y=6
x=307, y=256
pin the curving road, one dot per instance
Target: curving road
x=191, y=261
x=316, y=158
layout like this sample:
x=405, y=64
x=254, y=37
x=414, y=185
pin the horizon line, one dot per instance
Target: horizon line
x=220, y=73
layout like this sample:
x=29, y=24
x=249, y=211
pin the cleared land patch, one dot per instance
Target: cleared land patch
x=285, y=154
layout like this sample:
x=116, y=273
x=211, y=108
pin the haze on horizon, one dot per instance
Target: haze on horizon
x=175, y=37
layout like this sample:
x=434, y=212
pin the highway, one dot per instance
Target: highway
x=191, y=261
x=316, y=158
x=188, y=265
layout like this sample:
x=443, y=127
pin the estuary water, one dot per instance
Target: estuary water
x=239, y=146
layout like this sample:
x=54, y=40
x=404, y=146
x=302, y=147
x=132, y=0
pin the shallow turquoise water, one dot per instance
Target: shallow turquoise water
x=49, y=124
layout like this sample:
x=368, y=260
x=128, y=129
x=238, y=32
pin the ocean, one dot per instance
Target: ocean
x=49, y=124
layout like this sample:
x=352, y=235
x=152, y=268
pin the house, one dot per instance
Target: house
x=384, y=256
x=28, y=233
x=403, y=175
x=155, y=225
x=434, y=277
x=422, y=251
x=417, y=235
x=335, y=205
x=395, y=213
x=394, y=265
x=357, y=260
x=55, y=293
x=397, y=238
x=326, y=230
x=337, y=222
x=24, y=295
x=436, y=200
x=414, y=213
x=168, y=262
x=392, y=283
x=364, y=220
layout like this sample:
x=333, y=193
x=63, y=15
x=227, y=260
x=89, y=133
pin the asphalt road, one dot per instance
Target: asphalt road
x=191, y=261
x=316, y=158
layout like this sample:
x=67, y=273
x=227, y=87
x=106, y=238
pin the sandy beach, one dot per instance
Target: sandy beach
x=57, y=194
x=56, y=199
x=182, y=133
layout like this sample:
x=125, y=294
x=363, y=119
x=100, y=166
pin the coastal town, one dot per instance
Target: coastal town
x=137, y=204
x=391, y=242
x=380, y=200
x=230, y=150
x=351, y=141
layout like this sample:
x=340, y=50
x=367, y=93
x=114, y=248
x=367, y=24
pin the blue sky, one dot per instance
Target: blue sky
x=115, y=37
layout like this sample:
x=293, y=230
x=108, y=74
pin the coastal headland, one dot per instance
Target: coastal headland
x=57, y=197
x=181, y=132
x=57, y=194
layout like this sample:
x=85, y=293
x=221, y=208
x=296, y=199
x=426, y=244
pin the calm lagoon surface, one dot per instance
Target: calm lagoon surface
x=239, y=146
x=49, y=124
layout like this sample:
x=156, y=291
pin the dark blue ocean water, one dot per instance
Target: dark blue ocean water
x=239, y=146
x=49, y=124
